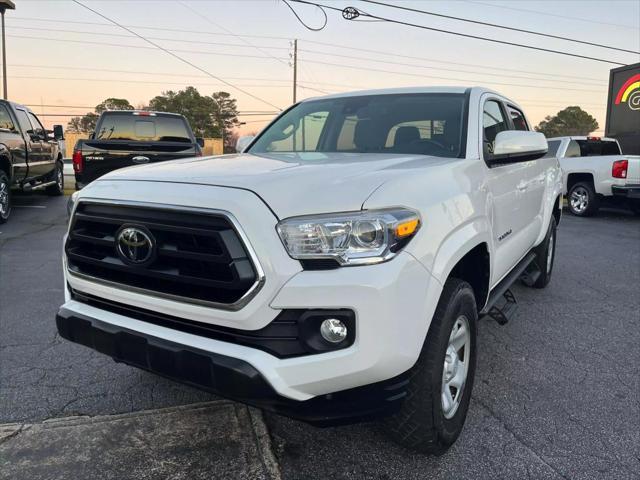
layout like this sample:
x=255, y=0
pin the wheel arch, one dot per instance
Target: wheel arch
x=575, y=177
x=5, y=161
x=466, y=254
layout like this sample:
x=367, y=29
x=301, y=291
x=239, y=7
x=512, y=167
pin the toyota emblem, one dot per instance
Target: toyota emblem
x=135, y=245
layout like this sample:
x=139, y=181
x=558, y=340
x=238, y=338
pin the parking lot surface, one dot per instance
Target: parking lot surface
x=557, y=392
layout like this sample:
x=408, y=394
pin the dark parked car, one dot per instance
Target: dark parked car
x=30, y=157
x=131, y=137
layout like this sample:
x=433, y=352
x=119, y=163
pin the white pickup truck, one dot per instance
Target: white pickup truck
x=335, y=270
x=595, y=170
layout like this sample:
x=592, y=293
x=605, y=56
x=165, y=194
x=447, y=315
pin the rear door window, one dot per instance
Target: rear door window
x=143, y=128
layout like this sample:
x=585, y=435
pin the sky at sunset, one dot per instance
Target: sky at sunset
x=62, y=58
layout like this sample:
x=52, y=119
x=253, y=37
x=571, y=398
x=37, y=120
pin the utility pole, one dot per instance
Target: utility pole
x=5, y=5
x=295, y=68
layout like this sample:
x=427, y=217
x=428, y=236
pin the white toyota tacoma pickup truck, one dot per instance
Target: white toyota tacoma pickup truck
x=335, y=270
x=594, y=169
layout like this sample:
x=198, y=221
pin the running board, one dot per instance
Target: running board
x=29, y=188
x=501, y=291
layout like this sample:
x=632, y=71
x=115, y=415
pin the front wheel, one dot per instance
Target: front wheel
x=5, y=197
x=433, y=414
x=58, y=177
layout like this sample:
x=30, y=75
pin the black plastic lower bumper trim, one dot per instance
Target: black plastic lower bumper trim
x=229, y=377
x=629, y=191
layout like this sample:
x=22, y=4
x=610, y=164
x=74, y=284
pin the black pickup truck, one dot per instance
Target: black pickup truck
x=132, y=137
x=30, y=157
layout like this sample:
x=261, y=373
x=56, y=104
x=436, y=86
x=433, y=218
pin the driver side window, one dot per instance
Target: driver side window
x=37, y=126
x=493, y=122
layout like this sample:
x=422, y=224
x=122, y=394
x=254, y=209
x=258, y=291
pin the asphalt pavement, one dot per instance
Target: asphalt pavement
x=557, y=392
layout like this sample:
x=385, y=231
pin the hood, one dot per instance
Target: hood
x=290, y=184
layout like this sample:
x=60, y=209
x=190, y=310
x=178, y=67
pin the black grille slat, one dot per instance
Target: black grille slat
x=198, y=256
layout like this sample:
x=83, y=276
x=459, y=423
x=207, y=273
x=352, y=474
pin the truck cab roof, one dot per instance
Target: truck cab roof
x=142, y=113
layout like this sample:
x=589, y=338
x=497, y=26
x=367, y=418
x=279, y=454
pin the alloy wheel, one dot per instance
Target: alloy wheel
x=550, y=248
x=4, y=198
x=579, y=199
x=456, y=366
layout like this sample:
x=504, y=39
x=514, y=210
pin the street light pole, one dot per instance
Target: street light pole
x=5, y=5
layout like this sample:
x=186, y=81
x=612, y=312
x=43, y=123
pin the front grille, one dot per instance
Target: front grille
x=197, y=256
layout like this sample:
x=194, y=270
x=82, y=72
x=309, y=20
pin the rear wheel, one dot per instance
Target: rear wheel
x=433, y=414
x=58, y=176
x=5, y=197
x=635, y=206
x=583, y=200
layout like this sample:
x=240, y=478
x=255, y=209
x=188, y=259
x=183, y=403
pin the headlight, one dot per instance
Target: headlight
x=351, y=238
x=71, y=202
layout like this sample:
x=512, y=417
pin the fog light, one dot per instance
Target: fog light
x=333, y=330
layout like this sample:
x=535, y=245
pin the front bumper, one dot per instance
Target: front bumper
x=626, y=191
x=227, y=376
x=392, y=302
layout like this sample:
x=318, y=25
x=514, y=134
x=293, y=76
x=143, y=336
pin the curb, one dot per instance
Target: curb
x=218, y=439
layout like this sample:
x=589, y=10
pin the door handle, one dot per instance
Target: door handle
x=522, y=187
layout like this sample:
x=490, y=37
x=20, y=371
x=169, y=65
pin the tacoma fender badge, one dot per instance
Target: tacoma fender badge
x=504, y=235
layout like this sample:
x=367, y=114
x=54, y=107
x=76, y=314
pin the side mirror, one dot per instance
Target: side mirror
x=516, y=145
x=243, y=142
x=58, y=132
x=200, y=141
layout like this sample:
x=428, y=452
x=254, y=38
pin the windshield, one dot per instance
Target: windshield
x=424, y=124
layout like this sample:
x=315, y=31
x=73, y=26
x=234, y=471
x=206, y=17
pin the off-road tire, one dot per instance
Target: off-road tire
x=4, y=182
x=545, y=264
x=57, y=188
x=593, y=201
x=420, y=424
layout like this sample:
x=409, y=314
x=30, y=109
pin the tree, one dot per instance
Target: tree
x=87, y=123
x=209, y=116
x=226, y=115
x=196, y=108
x=84, y=124
x=570, y=121
x=114, y=104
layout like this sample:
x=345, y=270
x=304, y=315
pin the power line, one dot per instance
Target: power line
x=399, y=55
x=419, y=75
x=465, y=35
x=138, y=72
x=447, y=69
x=146, y=27
x=495, y=25
x=204, y=17
x=538, y=12
x=333, y=45
x=117, y=80
x=177, y=56
x=223, y=44
x=310, y=51
x=85, y=42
